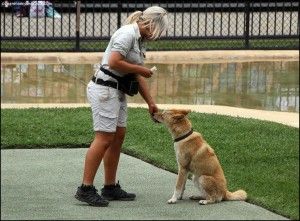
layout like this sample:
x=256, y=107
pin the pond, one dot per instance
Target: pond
x=263, y=85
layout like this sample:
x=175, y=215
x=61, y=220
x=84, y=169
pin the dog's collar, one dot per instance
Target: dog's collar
x=184, y=136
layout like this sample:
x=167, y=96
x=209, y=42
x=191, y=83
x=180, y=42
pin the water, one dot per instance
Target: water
x=256, y=85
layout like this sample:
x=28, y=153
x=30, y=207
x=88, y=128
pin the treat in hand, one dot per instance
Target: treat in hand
x=153, y=69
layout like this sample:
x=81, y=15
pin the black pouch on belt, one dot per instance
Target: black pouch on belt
x=128, y=84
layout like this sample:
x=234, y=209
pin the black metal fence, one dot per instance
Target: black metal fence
x=193, y=25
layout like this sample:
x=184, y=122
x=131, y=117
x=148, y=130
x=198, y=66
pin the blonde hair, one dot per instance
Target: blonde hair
x=153, y=17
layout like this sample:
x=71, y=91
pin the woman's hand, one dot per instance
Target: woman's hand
x=153, y=109
x=145, y=72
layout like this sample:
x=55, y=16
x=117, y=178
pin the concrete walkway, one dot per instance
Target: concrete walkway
x=40, y=185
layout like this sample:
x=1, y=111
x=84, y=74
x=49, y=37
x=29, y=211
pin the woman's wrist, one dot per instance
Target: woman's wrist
x=151, y=102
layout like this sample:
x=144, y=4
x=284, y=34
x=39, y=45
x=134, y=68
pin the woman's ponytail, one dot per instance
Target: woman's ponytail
x=134, y=17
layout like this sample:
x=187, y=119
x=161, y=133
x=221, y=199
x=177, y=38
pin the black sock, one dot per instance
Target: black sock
x=86, y=187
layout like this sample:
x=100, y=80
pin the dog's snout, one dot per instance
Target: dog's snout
x=157, y=116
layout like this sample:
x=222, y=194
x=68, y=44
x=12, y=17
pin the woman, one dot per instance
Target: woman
x=124, y=54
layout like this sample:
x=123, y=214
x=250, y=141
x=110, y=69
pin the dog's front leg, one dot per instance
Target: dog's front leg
x=180, y=184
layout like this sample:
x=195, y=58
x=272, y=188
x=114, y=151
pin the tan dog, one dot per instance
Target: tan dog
x=196, y=156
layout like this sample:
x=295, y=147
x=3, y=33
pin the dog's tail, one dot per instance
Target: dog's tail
x=240, y=195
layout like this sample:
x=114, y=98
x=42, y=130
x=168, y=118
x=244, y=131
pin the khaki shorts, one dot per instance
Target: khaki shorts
x=109, y=107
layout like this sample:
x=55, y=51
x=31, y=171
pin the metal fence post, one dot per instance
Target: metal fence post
x=119, y=13
x=78, y=3
x=247, y=23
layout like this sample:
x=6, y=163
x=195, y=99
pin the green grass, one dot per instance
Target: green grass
x=258, y=156
x=156, y=45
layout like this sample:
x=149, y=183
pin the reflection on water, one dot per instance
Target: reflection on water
x=256, y=85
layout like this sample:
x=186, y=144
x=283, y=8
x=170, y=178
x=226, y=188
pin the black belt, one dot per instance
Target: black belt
x=105, y=83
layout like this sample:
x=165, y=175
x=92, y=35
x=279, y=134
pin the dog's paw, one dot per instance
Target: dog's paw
x=203, y=202
x=172, y=201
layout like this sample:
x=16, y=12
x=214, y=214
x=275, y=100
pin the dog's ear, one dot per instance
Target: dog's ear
x=181, y=114
x=186, y=111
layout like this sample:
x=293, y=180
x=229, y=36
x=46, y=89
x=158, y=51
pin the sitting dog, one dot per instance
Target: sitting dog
x=196, y=156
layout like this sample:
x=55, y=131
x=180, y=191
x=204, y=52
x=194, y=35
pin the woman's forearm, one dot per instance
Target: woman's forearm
x=144, y=91
x=118, y=63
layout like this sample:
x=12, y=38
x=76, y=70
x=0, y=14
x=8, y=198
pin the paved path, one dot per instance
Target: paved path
x=40, y=184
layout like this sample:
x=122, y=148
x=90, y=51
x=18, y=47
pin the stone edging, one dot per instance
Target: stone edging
x=154, y=57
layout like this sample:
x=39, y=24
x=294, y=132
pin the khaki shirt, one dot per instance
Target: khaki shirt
x=127, y=41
